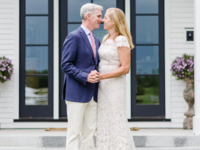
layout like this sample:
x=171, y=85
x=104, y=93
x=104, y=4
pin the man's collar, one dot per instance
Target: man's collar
x=87, y=31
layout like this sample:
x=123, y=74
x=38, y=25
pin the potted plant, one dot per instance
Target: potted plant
x=183, y=69
x=6, y=69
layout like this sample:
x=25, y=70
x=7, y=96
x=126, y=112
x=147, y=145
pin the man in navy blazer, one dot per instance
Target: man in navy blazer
x=79, y=63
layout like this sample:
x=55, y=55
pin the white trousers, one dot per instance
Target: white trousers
x=81, y=121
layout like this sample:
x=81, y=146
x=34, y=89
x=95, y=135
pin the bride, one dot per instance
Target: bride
x=113, y=132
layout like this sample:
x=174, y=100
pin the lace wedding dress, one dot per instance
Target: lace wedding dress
x=113, y=132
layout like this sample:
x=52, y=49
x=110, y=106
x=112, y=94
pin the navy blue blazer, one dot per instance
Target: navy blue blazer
x=77, y=62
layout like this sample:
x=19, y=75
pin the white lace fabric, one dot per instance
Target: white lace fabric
x=113, y=132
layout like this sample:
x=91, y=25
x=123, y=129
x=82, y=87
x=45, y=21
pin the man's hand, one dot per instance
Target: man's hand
x=93, y=77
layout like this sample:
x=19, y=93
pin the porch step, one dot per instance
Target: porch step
x=60, y=141
x=145, y=139
x=169, y=148
x=138, y=148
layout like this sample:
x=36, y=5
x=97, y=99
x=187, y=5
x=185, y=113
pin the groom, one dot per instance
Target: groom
x=79, y=63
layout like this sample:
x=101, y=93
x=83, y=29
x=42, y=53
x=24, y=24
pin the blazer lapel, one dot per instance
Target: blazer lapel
x=85, y=39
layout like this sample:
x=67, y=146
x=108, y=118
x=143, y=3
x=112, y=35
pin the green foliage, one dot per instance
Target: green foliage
x=6, y=69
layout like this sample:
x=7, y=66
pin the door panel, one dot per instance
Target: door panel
x=147, y=65
x=36, y=55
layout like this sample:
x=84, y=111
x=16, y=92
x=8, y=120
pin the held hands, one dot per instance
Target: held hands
x=93, y=77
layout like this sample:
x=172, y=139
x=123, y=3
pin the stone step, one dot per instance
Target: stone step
x=169, y=148
x=145, y=139
x=138, y=148
x=60, y=141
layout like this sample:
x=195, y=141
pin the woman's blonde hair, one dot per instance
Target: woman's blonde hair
x=117, y=15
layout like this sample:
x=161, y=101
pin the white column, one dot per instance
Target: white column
x=56, y=62
x=196, y=121
x=128, y=76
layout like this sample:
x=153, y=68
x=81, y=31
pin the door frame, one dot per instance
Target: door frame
x=161, y=110
x=36, y=111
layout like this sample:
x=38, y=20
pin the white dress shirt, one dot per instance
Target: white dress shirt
x=87, y=32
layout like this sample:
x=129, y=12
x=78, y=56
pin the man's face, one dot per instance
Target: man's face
x=96, y=19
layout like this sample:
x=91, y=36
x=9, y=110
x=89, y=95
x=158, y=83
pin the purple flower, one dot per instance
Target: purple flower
x=182, y=72
x=182, y=75
x=4, y=77
x=3, y=69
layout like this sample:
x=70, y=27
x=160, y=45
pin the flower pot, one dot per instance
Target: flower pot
x=188, y=95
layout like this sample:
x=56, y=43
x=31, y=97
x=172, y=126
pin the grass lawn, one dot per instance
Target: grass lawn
x=150, y=96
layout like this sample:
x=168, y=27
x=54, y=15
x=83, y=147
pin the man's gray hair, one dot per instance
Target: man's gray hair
x=89, y=8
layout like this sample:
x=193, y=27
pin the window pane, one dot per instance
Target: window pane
x=147, y=59
x=106, y=4
x=100, y=33
x=36, y=6
x=146, y=6
x=36, y=60
x=147, y=30
x=72, y=27
x=74, y=7
x=36, y=90
x=147, y=90
x=36, y=30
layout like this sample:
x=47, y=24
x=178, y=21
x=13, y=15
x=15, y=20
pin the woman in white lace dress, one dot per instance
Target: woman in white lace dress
x=113, y=132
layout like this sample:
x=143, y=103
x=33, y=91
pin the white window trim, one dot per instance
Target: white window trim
x=16, y=102
x=56, y=61
x=128, y=76
x=16, y=60
x=167, y=61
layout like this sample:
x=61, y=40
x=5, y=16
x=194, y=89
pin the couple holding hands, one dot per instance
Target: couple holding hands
x=94, y=84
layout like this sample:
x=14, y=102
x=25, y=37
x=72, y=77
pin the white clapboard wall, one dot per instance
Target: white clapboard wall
x=181, y=16
x=7, y=48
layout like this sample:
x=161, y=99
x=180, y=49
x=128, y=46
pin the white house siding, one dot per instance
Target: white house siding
x=7, y=48
x=181, y=16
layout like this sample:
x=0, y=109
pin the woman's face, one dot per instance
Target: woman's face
x=108, y=23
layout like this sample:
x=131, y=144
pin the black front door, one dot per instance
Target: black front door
x=36, y=58
x=70, y=20
x=147, y=66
